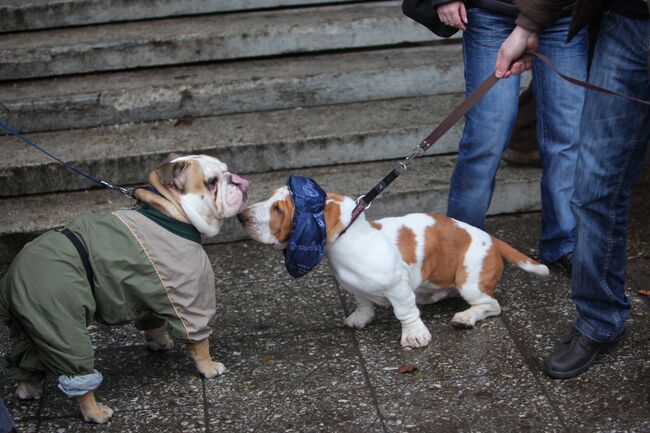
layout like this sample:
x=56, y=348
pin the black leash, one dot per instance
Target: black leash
x=364, y=201
x=69, y=166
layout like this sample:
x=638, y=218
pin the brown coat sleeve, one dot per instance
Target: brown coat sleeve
x=536, y=15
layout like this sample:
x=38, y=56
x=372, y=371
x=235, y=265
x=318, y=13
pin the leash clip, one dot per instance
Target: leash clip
x=361, y=197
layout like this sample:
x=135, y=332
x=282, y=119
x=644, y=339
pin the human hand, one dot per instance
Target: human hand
x=453, y=14
x=519, y=41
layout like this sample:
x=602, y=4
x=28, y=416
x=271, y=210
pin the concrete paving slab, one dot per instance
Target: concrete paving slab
x=447, y=357
x=297, y=362
x=249, y=143
x=423, y=188
x=231, y=87
x=269, y=411
x=176, y=419
x=503, y=402
x=204, y=38
x=19, y=15
x=135, y=379
x=282, y=306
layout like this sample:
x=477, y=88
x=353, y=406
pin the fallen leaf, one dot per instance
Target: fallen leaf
x=644, y=292
x=267, y=358
x=407, y=368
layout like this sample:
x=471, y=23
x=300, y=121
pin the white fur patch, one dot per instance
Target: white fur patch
x=533, y=268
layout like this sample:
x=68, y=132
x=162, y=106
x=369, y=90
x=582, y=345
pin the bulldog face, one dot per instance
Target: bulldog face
x=270, y=222
x=204, y=188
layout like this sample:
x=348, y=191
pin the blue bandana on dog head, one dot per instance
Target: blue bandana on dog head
x=308, y=238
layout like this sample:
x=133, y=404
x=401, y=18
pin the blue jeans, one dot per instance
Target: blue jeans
x=614, y=138
x=488, y=126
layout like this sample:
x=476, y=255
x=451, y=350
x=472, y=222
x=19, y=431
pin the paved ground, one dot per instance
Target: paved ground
x=294, y=367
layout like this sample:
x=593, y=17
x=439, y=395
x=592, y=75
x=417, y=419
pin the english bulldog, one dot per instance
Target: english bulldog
x=144, y=264
x=418, y=258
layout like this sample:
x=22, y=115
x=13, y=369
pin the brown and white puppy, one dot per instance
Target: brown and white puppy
x=417, y=258
x=197, y=190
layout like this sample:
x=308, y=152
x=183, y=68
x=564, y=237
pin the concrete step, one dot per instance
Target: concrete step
x=250, y=142
x=205, y=38
x=18, y=15
x=222, y=88
x=423, y=188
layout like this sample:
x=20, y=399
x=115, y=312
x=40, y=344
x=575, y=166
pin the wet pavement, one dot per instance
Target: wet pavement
x=293, y=366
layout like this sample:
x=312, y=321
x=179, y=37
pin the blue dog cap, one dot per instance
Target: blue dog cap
x=308, y=237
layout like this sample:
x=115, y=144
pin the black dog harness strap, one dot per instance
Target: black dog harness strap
x=83, y=254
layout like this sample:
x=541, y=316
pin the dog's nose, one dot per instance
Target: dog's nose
x=242, y=183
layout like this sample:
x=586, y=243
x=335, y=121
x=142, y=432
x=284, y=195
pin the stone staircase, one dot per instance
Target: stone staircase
x=331, y=89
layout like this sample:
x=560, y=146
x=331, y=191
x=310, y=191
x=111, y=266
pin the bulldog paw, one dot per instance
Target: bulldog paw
x=359, y=319
x=418, y=336
x=210, y=369
x=463, y=320
x=29, y=390
x=98, y=416
x=159, y=346
x=157, y=340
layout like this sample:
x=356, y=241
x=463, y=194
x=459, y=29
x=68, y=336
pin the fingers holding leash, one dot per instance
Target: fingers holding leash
x=509, y=58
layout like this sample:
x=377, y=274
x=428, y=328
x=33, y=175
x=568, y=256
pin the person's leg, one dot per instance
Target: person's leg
x=488, y=124
x=559, y=109
x=522, y=148
x=615, y=134
x=614, y=138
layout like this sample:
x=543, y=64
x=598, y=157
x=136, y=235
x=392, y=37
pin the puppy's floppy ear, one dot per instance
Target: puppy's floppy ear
x=173, y=173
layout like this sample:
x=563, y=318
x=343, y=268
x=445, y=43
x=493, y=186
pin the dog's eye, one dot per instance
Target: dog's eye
x=212, y=183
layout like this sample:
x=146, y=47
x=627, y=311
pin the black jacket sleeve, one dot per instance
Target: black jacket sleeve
x=425, y=12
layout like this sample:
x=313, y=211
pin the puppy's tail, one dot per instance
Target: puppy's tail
x=519, y=259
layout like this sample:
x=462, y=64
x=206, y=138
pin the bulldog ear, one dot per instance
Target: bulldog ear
x=172, y=173
x=172, y=156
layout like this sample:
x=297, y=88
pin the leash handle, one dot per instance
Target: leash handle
x=67, y=165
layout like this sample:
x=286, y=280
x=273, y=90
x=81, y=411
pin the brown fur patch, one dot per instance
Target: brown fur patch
x=491, y=271
x=336, y=197
x=375, y=225
x=407, y=244
x=445, y=246
x=281, y=220
x=333, y=223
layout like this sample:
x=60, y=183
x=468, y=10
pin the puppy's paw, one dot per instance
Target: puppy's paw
x=210, y=369
x=359, y=319
x=29, y=390
x=416, y=336
x=463, y=320
x=99, y=415
x=158, y=345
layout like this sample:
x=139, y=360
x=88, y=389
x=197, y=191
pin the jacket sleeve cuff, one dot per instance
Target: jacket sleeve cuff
x=527, y=23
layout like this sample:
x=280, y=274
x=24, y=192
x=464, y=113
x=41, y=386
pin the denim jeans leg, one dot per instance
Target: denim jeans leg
x=559, y=109
x=614, y=138
x=488, y=124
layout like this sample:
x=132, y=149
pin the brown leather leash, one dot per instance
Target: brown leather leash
x=364, y=201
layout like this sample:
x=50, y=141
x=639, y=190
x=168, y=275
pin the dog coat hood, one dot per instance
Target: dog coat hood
x=308, y=237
